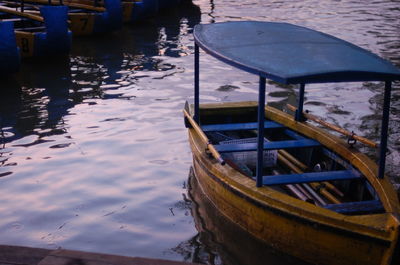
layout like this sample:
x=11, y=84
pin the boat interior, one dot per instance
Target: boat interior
x=293, y=163
x=22, y=17
x=24, y=24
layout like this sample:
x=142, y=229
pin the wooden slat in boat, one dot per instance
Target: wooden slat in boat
x=238, y=126
x=21, y=14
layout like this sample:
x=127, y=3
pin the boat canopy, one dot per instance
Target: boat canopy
x=291, y=54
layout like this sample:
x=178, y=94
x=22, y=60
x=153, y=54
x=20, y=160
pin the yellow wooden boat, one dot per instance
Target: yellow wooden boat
x=87, y=17
x=42, y=33
x=285, y=181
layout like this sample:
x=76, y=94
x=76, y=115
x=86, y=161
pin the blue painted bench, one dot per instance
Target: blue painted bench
x=372, y=206
x=287, y=144
x=249, y=126
x=239, y=126
x=309, y=177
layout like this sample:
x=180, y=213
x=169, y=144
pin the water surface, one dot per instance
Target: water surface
x=94, y=154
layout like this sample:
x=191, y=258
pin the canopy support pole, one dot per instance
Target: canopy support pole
x=260, y=134
x=384, y=129
x=299, y=111
x=196, y=84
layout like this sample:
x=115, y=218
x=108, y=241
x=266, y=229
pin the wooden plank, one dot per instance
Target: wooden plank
x=18, y=255
x=73, y=4
x=21, y=14
x=239, y=126
x=74, y=257
x=223, y=148
x=309, y=177
x=31, y=29
x=335, y=128
x=372, y=206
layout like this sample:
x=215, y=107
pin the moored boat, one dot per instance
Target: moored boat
x=42, y=32
x=285, y=181
x=88, y=17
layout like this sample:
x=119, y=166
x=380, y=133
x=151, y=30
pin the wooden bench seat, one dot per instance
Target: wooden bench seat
x=287, y=144
x=33, y=29
x=239, y=126
x=372, y=206
x=309, y=177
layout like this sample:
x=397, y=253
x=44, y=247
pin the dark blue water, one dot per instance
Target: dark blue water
x=94, y=154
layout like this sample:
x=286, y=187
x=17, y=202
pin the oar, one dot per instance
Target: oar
x=296, y=190
x=335, y=128
x=21, y=14
x=303, y=167
x=71, y=4
x=316, y=186
x=15, y=4
x=204, y=138
x=317, y=199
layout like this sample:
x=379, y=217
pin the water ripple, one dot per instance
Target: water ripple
x=93, y=147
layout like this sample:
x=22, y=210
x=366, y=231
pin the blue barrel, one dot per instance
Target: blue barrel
x=9, y=52
x=111, y=19
x=145, y=9
x=57, y=38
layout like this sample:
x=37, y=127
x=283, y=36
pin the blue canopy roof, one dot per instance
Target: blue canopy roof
x=291, y=54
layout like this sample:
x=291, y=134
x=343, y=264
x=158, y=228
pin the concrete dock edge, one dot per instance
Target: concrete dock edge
x=18, y=255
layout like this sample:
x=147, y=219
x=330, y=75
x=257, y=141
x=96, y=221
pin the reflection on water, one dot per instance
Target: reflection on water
x=220, y=241
x=94, y=155
x=91, y=146
x=31, y=112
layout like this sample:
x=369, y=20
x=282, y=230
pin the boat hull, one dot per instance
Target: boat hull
x=82, y=23
x=292, y=226
x=43, y=33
